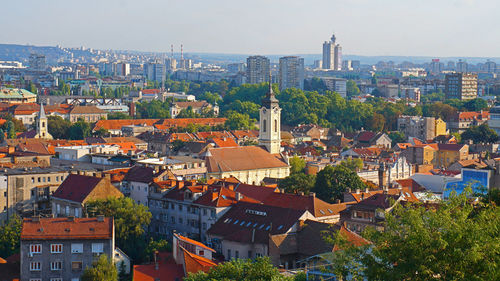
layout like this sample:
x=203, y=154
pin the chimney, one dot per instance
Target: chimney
x=12, y=149
x=366, y=190
x=238, y=196
x=157, y=266
x=357, y=190
x=337, y=201
x=312, y=194
x=100, y=218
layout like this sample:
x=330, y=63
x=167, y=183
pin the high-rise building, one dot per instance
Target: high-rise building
x=338, y=85
x=236, y=67
x=155, y=71
x=332, y=54
x=461, y=66
x=462, y=86
x=270, y=123
x=171, y=64
x=291, y=72
x=436, y=66
x=123, y=69
x=318, y=64
x=37, y=62
x=258, y=69
x=490, y=66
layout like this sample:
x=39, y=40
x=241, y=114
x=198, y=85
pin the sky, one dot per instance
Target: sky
x=440, y=28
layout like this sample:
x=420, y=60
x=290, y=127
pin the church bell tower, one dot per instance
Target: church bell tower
x=270, y=122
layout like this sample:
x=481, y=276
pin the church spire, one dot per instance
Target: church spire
x=41, y=114
x=269, y=99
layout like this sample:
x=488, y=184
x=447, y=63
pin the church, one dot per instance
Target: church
x=251, y=164
x=42, y=131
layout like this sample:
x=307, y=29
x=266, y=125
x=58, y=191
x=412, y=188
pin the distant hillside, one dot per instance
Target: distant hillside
x=22, y=52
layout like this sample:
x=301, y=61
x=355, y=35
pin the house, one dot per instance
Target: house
x=76, y=190
x=310, y=132
x=163, y=268
x=192, y=255
x=367, y=138
x=82, y=152
x=244, y=231
x=61, y=248
x=460, y=121
x=114, y=127
x=449, y=153
x=198, y=107
x=249, y=164
x=89, y=114
x=137, y=181
x=426, y=128
x=16, y=95
x=184, y=167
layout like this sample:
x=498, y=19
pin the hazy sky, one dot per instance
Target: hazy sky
x=362, y=27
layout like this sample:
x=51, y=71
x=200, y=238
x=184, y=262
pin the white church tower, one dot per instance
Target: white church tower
x=270, y=122
x=42, y=131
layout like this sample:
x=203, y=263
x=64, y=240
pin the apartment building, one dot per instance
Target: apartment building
x=462, y=86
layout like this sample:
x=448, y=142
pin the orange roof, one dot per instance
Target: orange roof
x=118, y=124
x=2, y=121
x=124, y=146
x=63, y=228
x=241, y=158
x=166, y=124
x=117, y=175
x=239, y=134
x=167, y=270
x=194, y=263
x=150, y=91
x=194, y=242
x=391, y=191
x=353, y=238
x=224, y=142
x=2, y=260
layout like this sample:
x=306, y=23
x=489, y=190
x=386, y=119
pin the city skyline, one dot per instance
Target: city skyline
x=362, y=27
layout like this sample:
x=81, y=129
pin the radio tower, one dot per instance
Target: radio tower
x=182, y=57
x=172, y=51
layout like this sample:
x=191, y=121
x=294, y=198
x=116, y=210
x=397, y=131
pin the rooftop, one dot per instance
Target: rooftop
x=67, y=228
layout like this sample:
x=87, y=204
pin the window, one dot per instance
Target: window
x=275, y=125
x=35, y=266
x=58, y=209
x=204, y=225
x=76, y=265
x=97, y=248
x=249, y=254
x=264, y=125
x=77, y=213
x=77, y=248
x=173, y=220
x=56, y=279
x=35, y=279
x=36, y=248
x=56, y=265
x=237, y=254
x=201, y=253
x=228, y=254
x=67, y=210
x=56, y=248
x=180, y=220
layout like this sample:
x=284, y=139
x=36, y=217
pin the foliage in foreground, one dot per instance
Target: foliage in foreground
x=455, y=240
x=102, y=270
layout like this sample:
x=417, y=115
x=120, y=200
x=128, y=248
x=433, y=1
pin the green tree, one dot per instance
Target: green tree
x=10, y=236
x=352, y=88
x=131, y=221
x=238, y=121
x=188, y=113
x=11, y=132
x=332, y=182
x=297, y=182
x=58, y=127
x=297, y=165
x=476, y=105
x=353, y=164
x=397, y=137
x=79, y=130
x=2, y=136
x=481, y=133
x=102, y=270
x=239, y=270
x=160, y=245
x=118, y=116
x=212, y=98
x=439, y=110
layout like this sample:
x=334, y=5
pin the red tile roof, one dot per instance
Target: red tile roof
x=224, y=142
x=194, y=263
x=166, y=124
x=366, y=136
x=76, y=187
x=241, y=158
x=150, y=91
x=118, y=124
x=168, y=270
x=194, y=242
x=63, y=228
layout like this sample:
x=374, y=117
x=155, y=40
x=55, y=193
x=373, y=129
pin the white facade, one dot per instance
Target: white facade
x=81, y=152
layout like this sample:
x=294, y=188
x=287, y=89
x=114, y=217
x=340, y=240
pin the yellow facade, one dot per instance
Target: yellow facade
x=440, y=127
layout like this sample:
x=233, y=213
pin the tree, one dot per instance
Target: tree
x=376, y=122
x=102, y=270
x=79, y=130
x=2, y=136
x=10, y=235
x=455, y=241
x=58, y=127
x=352, y=88
x=481, y=133
x=118, y=116
x=353, y=164
x=188, y=113
x=238, y=121
x=239, y=270
x=11, y=132
x=397, y=137
x=160, y=245
x=131, y=220
x=476, y=105
x=297, y=165
x=297, y=183
x=332, y=182
x=212, y=98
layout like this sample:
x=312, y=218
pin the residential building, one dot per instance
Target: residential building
x=424, y=128
x=198, y=107
x=83, y=153
x=448, y=154
x=181, y=167
x=367, y=139
x=270, y=123
x=89, y=114
x=460, y=85
x=332, y=55
x=494, y=121
x=137, y=181
x=15, y=95
x=192, y=255
x=61, y=248
x=243, y=232
x=460, y=121
x=291, y=73
x=155, y=71
x=37, y=62
x=338, y=85
x=236, y=67
x=70, y=197
x=258, y=69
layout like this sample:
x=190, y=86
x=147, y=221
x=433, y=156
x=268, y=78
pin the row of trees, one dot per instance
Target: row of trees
x=61, y=128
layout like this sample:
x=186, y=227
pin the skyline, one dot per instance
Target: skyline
x=447, y=28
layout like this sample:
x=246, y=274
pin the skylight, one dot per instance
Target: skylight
x=242, y=223
x=322, y=212
x=261, y=226
x=249, y=223
x=329, y=210
x=236, y=221
x=280, y=227
x=267, y=228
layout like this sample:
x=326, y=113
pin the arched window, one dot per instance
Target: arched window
x=43, y=124
x=264, y=125
x=275, y=125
